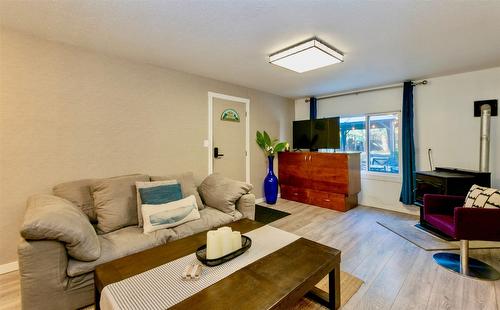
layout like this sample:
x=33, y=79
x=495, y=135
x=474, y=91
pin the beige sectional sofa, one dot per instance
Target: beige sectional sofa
x=62, y=243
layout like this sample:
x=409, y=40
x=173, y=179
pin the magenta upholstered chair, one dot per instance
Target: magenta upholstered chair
x=446, y=213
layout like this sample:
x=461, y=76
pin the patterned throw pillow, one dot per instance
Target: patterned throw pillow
x=482, y=197
x=169, y=214
x=140, y=185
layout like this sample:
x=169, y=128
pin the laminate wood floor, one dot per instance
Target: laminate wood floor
x=397, y=274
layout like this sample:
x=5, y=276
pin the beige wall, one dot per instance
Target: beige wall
x=66, y=114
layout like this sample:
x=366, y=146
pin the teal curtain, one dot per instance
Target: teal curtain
x=408, y=146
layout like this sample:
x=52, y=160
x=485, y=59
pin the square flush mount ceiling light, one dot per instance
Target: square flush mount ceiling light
x=305, y=56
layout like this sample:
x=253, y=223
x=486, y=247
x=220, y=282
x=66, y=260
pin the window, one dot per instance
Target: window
x=353, y=136
x=383, y=153
x=376, y=137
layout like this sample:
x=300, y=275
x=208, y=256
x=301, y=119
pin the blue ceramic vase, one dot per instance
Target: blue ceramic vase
x=271, y=183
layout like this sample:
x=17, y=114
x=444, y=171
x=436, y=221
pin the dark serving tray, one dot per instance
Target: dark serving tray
x=201, y=253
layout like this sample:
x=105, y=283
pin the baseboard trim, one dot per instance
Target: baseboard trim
x=262, y=199
x=9, y=267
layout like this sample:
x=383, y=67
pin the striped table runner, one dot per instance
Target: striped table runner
x=163, y=287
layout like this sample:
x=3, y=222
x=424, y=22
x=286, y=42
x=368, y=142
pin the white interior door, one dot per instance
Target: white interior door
x=229, y=137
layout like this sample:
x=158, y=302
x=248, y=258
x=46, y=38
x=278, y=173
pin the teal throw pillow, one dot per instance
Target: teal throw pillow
x=160, y=194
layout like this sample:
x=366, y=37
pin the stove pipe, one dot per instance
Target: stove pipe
x=484, y=147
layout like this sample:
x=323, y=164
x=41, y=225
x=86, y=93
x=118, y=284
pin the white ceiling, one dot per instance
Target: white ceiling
x=384, y=41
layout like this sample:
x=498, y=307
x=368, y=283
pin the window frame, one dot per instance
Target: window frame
x=376, y=175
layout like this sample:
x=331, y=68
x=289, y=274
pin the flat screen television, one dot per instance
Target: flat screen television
x=316, y=134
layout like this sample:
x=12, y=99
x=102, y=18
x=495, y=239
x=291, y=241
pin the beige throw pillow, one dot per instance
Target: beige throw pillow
x=53, y=218
x=482, y=197
x=147, y=185
x=188, y=186
x=78, y=192
x=222, y=193
x=116, y=202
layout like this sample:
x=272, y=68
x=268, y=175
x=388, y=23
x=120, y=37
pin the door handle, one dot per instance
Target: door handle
x=217, y=154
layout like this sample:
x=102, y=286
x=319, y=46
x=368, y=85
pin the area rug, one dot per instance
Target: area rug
x=427, y=241
x=349, y=285
x=267, y=215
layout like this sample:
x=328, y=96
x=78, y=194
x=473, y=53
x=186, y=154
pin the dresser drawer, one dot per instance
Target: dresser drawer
x=326, y=199
x=294, y=193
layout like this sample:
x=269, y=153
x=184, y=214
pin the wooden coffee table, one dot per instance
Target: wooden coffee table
x=276, y=281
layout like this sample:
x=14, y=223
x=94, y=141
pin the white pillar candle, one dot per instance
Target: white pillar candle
x=236, y=240
x=227, y=243
x=214, y=244
x=225, y=229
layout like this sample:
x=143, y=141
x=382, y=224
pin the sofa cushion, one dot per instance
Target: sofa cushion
x=209, y=219
x=121, y=243
x=116, y=202
x=139, y=185
x=131, y=240
x=170, y=214
x=222, y=193
x=78, y=192
x=188, y=186
x=442, y=222
x=53, y=218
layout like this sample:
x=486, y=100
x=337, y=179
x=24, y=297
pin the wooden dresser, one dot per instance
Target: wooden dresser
x=328, y=180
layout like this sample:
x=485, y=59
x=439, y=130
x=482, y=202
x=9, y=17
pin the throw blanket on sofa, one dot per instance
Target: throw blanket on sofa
x=163, y=287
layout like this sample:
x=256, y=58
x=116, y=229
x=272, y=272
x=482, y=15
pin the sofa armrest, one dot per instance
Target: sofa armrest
x=442, y=204
x=52, y=218
x=42, y=268
x=477, y=224
x=44, y=280
x=246, y=205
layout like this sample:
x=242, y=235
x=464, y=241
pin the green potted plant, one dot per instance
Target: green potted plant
x=270, y=147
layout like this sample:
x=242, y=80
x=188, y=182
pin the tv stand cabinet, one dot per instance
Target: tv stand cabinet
x=328, y=180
